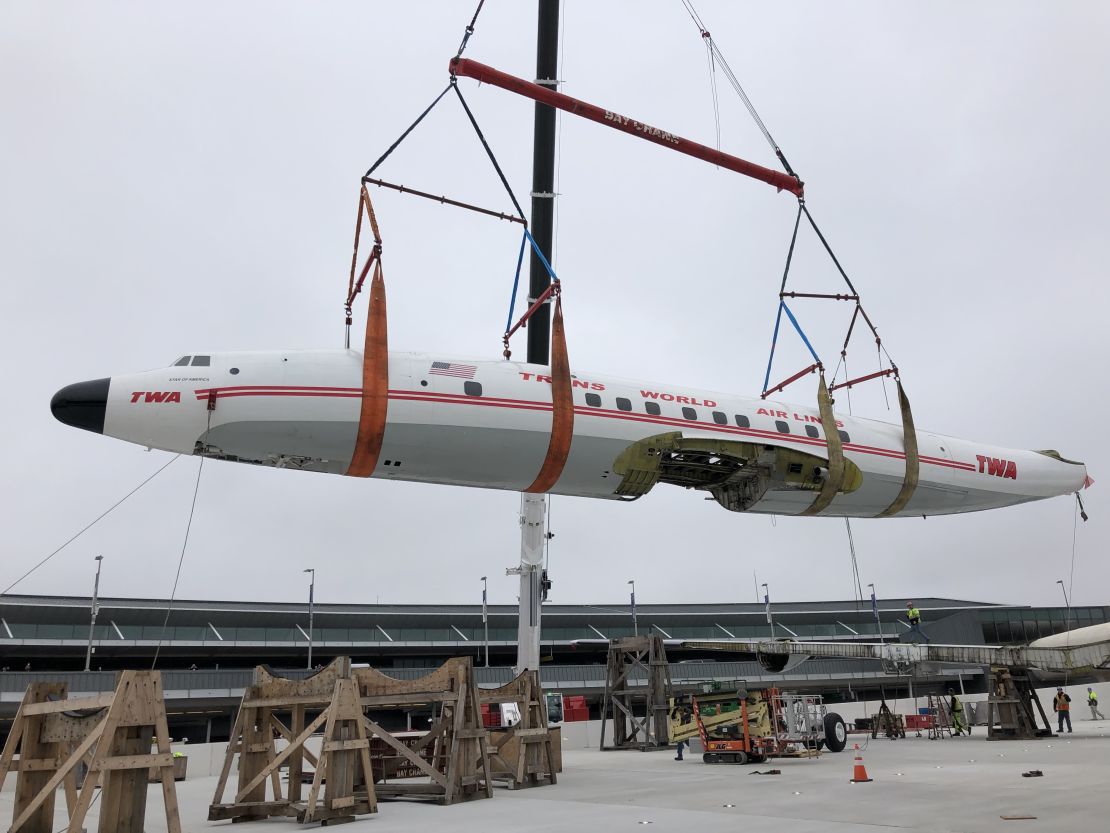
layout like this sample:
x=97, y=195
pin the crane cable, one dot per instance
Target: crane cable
x=90, y=525
x=718, y=58
x=470, y=29
x=180, y=560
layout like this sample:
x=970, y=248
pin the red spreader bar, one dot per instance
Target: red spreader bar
x=489, y=75
x=354, y=286
x=819, y=295
x=375, y=256
x=781, y=385
x=404, y=189
x=890, y=371
x=553, y=288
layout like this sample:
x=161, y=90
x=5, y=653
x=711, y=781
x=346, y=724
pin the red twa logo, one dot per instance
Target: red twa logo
x=999, y=468
x=155, y=396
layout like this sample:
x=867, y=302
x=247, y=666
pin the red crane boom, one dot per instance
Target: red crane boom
x=489, y=75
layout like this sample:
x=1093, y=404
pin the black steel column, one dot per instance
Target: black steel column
x=543, y=179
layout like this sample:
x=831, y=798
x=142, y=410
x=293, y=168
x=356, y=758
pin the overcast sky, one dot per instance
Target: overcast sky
x=182, y=177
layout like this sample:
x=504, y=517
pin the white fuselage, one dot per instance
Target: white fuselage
x=300, y=409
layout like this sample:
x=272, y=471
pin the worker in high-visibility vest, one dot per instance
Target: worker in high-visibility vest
x=682, y=715
x=956, y=709
x=1092, y=701
x=914, y=617
x=1061, y=704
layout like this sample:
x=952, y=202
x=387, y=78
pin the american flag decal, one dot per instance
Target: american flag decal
x=459, y=371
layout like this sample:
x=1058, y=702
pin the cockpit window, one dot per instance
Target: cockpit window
x=182, y=362
x=202, y=361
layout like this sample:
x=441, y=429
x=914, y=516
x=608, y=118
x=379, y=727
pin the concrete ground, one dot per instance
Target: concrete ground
x=959, y=784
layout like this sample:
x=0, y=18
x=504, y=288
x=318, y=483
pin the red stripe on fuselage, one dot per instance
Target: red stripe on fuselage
x=582, y=410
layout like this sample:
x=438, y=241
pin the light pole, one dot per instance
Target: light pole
x=485, y=621
x=311, y=610
x=92, y=612
x=875, y=610
x=767, y=607
x=1067, y=602
x=635, y=625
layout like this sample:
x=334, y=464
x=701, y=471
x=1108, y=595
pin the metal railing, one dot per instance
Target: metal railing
x=225, y=683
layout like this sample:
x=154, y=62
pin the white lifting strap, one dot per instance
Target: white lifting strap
x=913, y=461
x=835, y=478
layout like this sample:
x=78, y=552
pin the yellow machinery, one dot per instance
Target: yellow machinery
x=739, y=726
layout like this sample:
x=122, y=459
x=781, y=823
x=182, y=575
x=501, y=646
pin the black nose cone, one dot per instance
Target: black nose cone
x=82, y=405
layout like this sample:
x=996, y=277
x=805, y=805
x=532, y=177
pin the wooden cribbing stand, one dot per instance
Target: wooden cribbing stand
x=51, y=739
x=344, y=759
x=1013, y=707
x=641, y=657
x=452, y=755
x=456, y=742
x=522, y=755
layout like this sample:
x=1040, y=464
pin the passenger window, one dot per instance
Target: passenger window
x=182, y=362
x=742, y=421
x=593, y=400
x=472, y=388
x=689, y=413
x=624, y=404
x=812, y=431
x=202, y=361
x=720, y=418
x=652, y=408
x=844, y=438
x=784, y=427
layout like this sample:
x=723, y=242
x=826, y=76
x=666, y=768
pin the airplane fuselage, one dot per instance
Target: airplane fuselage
x=488, y=424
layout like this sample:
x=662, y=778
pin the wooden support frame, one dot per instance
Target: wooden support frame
x=342, y=765
x=1013, y=707
x=348, y=776
x=637, y=713
x=522, y=755
x=457, y=744
x=113, y=741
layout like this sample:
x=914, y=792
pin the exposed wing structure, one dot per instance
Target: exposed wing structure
x=737, y=474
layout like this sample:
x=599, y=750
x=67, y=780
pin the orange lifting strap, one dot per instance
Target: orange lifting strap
x=375, y=353
x=562, y=407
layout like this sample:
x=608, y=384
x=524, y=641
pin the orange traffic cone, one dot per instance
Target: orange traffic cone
x=859, y=772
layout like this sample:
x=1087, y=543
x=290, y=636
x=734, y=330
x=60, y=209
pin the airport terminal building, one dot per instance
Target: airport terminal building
x=208, y=648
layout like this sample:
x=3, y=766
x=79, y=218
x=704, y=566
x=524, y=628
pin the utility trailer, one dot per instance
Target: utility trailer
x=741, y=726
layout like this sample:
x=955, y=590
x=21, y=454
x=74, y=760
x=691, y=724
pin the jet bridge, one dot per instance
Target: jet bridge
x=1082, y=660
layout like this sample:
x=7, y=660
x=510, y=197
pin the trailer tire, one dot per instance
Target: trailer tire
x=836, y=732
